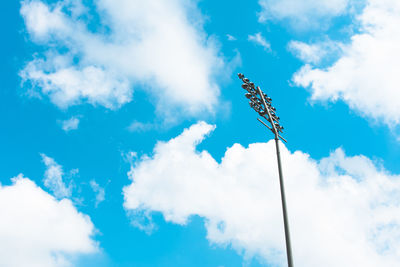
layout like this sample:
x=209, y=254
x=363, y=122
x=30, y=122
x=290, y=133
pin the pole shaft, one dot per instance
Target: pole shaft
x=284, y=209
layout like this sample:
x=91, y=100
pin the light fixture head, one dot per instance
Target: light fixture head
x=278, y=127
x=276, y=117
x=240, y=75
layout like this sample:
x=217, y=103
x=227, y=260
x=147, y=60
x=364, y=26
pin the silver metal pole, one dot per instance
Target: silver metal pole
x=284, y=209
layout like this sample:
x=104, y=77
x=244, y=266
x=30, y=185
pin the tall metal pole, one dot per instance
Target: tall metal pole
x=284, y=209
x=262, y=105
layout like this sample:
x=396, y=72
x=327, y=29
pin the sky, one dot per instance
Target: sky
x=126, y=139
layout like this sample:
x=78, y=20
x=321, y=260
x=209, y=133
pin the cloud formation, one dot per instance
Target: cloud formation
x=53, y=178
x=365, y=76
x=38, y=230
x=260, y=40
x=99, y=191
x=303, y=14
x=315, y=53
x=159, y=46
x=70, y=124
x=344, y=211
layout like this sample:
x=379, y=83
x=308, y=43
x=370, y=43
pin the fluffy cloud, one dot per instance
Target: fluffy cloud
x=38, y=230
x=302, y=14
x=316, y=52
x=344, y=211
x=70, y=124
x=53, y=178
x=158, y=44
x=366, y=74
x=70, y=86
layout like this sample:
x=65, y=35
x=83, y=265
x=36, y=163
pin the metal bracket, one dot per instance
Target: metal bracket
x=271, y=129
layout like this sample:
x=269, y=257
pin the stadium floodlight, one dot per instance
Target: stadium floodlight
x=261, y=103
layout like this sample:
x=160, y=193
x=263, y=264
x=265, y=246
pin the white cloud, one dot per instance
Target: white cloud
x=99, y=191
x=260, y=40
x=344, y=211
x=71, y=86
x=70, y=124
x=159, y=45
x=366, y=74
x=53, y=178
x=315, y=52
x=38, y=230
x=303, y=14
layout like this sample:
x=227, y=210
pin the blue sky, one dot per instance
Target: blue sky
x=126, y=139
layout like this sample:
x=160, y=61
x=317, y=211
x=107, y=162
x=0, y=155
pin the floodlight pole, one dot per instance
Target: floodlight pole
x=284, y=209
x=262, y=105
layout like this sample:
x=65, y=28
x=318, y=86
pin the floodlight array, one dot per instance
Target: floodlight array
x=262, y=104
